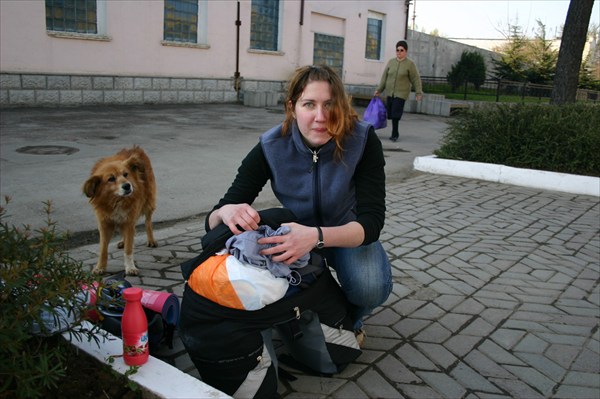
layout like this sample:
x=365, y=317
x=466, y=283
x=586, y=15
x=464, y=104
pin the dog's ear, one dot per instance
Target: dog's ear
x=135, y=164
x=90, y=186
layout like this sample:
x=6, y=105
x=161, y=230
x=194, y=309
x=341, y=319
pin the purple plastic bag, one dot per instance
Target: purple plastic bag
x=375, y=113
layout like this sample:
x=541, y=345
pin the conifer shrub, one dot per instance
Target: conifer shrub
x=557, y=138
x=40, y=297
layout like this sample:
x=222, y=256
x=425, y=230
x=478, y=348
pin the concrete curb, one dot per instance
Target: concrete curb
x=575, y=184
x=157, y=378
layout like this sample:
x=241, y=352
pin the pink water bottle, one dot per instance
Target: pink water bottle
x=134, y=329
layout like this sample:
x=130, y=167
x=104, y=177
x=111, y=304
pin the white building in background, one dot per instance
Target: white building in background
x=89, y=52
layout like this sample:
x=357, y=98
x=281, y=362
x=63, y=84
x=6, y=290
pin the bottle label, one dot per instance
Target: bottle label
x=133, y=347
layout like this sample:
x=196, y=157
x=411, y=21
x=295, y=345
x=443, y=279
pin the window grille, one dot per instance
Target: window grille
x=181, y=21
x=264, y=25
x=373, y=46
x=329, y=50
x=78, y=16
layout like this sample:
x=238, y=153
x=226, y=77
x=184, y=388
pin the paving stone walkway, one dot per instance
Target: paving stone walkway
x=496, y=295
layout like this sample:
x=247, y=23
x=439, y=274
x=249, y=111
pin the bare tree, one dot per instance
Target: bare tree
x=571, y=51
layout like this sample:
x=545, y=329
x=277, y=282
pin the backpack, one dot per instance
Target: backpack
x=161, y=309
x=233, y=349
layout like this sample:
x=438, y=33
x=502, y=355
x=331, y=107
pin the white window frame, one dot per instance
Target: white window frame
x=201, y=29
x=102, y=33
x=278, y=50
x=381, y=17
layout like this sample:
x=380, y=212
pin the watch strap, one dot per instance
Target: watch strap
x=320, y=242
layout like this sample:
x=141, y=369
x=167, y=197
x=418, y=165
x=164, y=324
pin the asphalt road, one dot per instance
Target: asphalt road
x=47, y=154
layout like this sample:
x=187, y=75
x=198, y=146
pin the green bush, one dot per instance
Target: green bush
x=37, y=278
x=555, y=138
x=469, y=69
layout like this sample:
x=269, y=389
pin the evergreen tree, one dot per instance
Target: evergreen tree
x=589, y=76
x=540, y=57
x=586, y=75
x=512, y=63
x=469, y=69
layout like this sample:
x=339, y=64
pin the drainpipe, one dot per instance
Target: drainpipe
x=407, y=4
x=301, y=12
x=236, y=75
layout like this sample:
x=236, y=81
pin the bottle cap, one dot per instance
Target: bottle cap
x=132, y=294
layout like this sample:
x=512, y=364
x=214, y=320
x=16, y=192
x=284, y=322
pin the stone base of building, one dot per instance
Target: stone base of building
x=44, y=90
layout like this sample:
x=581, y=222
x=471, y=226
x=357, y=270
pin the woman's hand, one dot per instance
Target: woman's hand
x=376, y=94
x=291, y=246
x=238, y=217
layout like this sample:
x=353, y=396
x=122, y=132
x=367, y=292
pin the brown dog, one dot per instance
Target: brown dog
x=121, y=188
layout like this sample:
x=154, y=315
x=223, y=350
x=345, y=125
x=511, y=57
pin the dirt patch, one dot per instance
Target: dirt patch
x=86, y=377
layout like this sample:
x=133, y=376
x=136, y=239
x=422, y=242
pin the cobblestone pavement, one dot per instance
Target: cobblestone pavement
x=496, y=295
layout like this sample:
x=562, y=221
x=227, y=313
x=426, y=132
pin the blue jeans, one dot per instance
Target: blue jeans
x=365, y=275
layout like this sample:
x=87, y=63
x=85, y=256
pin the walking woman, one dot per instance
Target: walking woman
x=399, y=75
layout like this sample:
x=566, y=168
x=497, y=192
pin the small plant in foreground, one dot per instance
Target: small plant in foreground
x=41, y=296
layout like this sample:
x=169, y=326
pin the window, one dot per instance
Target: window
x=374, y=28
x=77, y=16
x=264, y=25
x=329, y=50
x=181, y=21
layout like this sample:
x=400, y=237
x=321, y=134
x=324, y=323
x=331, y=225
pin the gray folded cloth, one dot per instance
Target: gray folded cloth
x=246, y=249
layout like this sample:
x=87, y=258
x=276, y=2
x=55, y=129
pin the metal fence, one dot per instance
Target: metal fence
x=500, y=90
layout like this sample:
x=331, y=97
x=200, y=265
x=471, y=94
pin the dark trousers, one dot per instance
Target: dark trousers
x=395, y=123
x=395, y=109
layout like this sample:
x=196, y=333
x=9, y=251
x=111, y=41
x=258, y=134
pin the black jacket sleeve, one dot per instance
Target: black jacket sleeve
x=370, y=189
x=252, y=175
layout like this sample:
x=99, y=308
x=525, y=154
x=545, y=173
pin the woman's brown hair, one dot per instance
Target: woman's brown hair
x=341, y=117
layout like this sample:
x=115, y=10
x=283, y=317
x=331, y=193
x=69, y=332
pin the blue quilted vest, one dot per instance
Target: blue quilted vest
x=317, y=188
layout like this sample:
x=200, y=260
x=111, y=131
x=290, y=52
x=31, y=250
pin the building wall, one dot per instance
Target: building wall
x=132, y=44
x=129, y=63
x=435, y=55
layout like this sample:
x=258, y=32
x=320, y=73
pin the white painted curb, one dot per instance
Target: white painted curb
x=159, y=378
x=575, y=184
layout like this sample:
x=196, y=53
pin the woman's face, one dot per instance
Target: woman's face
x=312, y=111
x=400, y=53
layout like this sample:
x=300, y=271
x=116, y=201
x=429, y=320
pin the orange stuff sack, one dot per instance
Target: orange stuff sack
x=223, y=279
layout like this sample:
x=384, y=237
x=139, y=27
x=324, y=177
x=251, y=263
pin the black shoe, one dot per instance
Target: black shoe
x=394, y=139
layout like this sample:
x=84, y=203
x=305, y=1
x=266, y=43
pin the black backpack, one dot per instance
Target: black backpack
x=233, y=349
x=110, y=305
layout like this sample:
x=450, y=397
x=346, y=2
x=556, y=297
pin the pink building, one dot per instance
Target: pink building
x=85, y=52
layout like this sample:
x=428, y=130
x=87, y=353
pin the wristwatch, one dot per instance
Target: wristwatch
x=320, y=243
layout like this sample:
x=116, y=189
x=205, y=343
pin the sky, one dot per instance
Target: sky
x=489, y=19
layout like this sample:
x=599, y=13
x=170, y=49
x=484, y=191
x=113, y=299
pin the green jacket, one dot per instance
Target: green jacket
x=398, y=77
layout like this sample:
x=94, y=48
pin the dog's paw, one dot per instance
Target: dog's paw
x=98, y=271
x=120, y=245
x=152, y=244
x=130, y=268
